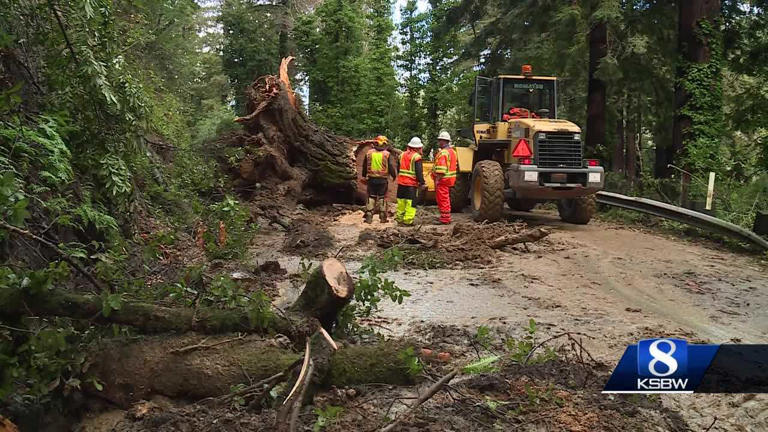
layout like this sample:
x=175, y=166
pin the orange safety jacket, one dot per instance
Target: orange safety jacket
x=446, y=163
x=378, y=163
x=407, y=174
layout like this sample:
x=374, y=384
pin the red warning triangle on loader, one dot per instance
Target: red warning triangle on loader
x=521, y=149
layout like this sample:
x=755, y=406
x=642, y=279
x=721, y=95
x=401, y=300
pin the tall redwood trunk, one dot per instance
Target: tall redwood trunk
x=693, y=50
x=618, y=151
x=631, y=148
x=598, y=49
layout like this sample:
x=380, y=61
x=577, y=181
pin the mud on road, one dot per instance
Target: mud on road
x=616, y=283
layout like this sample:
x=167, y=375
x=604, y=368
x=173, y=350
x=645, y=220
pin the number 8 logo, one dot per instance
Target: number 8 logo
x=661, y=356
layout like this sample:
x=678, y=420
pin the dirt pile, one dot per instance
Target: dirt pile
x=308, y=238
x=467, y=243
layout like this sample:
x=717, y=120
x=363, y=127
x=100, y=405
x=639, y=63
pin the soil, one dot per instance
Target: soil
x=614, y=284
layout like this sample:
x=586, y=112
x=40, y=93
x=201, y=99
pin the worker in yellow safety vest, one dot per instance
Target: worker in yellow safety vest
x=409, y=178
x=377, y=166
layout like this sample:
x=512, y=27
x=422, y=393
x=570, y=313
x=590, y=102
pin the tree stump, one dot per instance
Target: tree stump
x=328, y=289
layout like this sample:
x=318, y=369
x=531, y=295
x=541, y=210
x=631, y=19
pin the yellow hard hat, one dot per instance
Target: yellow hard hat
x=381, y=140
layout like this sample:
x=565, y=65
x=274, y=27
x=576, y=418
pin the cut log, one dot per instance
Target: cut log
x=328, y=289
x=528, y=236
x=154, y=366
x=324, y=298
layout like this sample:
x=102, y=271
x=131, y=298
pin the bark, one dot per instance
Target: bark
x=150, y=318
x=285, y=150
x=598, y=49
x=154, y=366
x=328, y=289
x=528, y=236
x=692, y=49
x=631, y=148
x=618, y=151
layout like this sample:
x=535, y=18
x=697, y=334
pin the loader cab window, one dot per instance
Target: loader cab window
x=523, y=96
x=483, y=100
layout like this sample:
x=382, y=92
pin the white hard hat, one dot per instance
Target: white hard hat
x=415, y=142
x=444, y=135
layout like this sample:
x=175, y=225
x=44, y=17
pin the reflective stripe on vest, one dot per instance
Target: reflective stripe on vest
x=447, y=168
x=378, y=163
x=407, y=174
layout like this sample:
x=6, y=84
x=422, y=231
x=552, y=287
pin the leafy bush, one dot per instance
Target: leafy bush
x=371, y=288
x=229, y=229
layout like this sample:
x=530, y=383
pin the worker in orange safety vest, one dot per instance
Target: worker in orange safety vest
x=444, y=174
x=409, y=178
x=377, y=166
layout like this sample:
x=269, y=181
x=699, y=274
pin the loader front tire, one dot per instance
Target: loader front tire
x=460, y=193
x=487, y=191
x=577, y=210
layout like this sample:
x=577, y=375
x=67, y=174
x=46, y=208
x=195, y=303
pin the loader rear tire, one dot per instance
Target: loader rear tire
x=577, y=210
x=487, y=191
x=460, y=193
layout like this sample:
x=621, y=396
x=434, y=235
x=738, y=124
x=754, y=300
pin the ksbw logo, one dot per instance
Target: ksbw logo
x=662, y=364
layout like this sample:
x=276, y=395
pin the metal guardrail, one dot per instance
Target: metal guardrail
x=683, y=215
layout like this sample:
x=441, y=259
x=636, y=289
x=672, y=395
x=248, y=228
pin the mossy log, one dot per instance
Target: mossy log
x=155, y=366
x=327, y=298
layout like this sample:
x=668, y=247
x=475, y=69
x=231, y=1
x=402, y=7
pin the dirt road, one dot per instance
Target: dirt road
x=616, y=283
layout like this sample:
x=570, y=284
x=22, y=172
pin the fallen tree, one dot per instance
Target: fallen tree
x=132, y=372
x=284, y=151
x=328, y=289
x=184, y=367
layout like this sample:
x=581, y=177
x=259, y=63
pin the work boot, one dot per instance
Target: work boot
x=384, y=211
x=368, y=217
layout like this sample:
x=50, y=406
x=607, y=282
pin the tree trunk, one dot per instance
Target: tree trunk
x=331, y=289
x=327, y=291
x=631, y=147
x=598, y=49
x=154, y=366
x=287, y=153
x=694, y=51
x=618, y=151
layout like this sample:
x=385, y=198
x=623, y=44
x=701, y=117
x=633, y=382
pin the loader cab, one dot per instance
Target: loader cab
x=514, y=96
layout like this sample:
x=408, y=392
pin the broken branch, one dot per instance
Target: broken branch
x=423, y=398
x=528, y=236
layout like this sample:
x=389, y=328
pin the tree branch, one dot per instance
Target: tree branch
x=56, y=249
x=64, y=32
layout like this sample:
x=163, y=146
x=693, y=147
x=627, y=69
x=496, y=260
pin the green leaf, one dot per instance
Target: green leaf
x=482, y=365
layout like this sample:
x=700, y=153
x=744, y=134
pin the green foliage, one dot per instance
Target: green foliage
x=703, y=82
x=346, y=54
x=412, y=361
x=326, y=416
x=221, y=292
x=483, y=365
x=522, y=350
x=483, y=336
x=251, y=44
x=371, y=288
x=236, y=220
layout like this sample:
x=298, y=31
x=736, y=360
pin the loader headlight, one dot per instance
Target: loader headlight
x=577, y=136
x=542, y=135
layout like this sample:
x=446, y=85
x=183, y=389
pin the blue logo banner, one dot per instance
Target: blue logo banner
x=661, y=366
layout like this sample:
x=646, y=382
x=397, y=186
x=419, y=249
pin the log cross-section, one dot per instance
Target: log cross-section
x=328, y=290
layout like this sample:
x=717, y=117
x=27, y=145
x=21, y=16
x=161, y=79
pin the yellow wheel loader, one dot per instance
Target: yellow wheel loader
x=519, y=152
